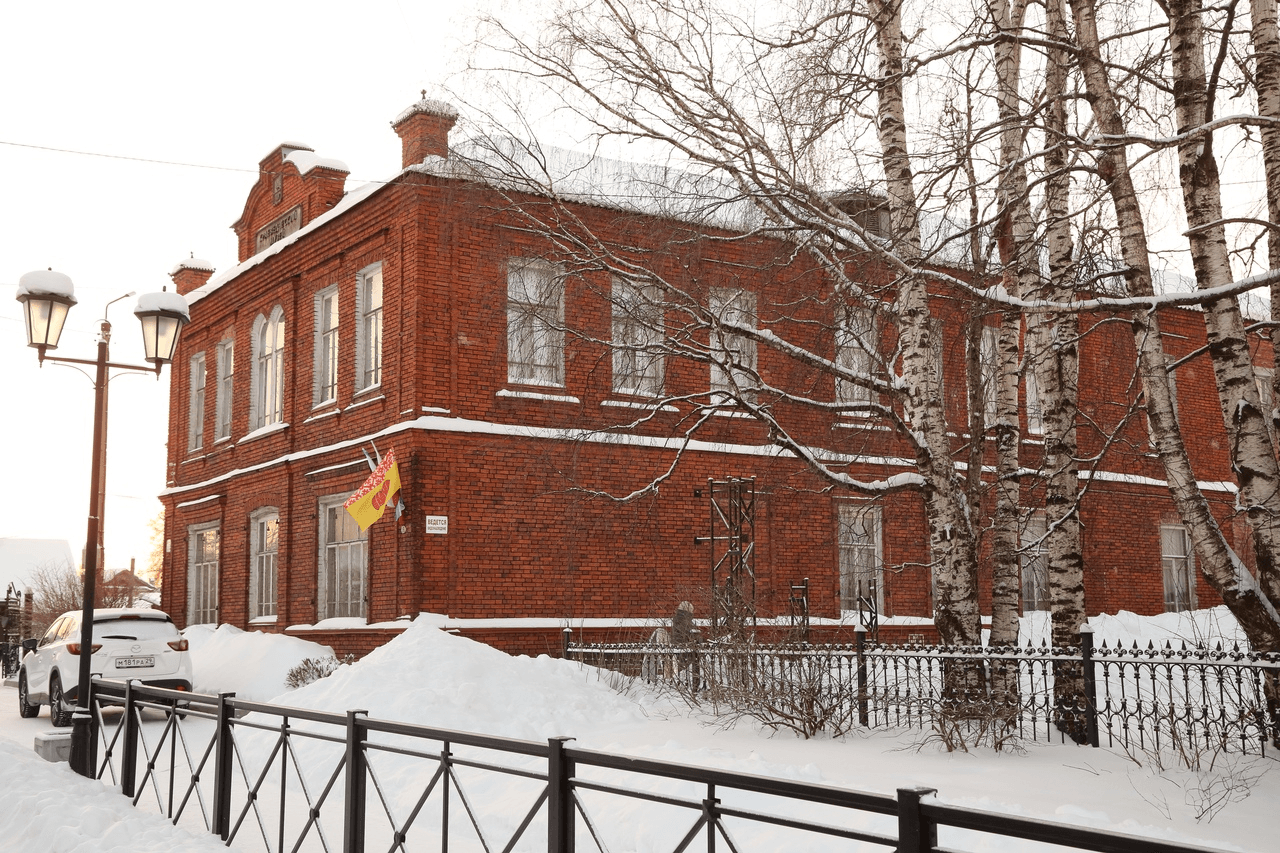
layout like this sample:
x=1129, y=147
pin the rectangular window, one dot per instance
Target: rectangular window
x=861, y=562
x=195, y=413
x=733, y=357
x=202, y=574
x=1262, y=377
x=1035, y=415
x=1035, y=564
x=369, y=328
x=1178, y=564
x=343, y=561
x=637, y=338
x=264, y=545
x=988, y=363
x=226, y=370
x=326, y=347
x=535, y=323
x=855, y=353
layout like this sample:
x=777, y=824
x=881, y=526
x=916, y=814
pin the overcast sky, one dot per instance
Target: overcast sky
x=215, y=84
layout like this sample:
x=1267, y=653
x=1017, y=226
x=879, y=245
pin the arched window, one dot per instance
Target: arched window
x=267, y=397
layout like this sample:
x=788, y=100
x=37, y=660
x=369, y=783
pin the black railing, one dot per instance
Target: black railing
x=1133, y=698
x=276, y=778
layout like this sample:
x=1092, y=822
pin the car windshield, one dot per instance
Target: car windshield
x=134, y=629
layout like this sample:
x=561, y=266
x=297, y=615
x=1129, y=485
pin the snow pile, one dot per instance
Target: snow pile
x=49, y=809
x=253, y=665
x=434, y=678
x=1194, y=627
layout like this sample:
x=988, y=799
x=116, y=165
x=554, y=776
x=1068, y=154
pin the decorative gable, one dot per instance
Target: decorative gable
x=294, y=187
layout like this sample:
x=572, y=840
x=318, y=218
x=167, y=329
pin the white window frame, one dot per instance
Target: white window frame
x=1033, y=563
x=855, y=353
x=1178, y=568
x=196, y=378
x=535, y=323
x=264, y=550
x=733, y=356
x=1262, y=377
x=203, y=570
x=988, y=364
x=226, y=358
x=266, y=401
x=638, y=329
x=324, y=387
x=859, y=542
x=343, y=564
x=369, y=319
x=1035, y=412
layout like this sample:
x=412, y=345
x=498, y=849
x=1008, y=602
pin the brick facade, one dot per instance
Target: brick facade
x=515, y=469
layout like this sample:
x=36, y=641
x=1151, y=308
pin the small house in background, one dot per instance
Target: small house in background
x=124, y=588
x=422, y=315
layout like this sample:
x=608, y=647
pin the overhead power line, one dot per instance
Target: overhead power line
x=126, y=157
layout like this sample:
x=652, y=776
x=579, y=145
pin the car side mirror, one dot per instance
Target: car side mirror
x=29, y=644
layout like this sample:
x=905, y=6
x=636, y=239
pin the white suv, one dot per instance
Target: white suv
x=127, y=644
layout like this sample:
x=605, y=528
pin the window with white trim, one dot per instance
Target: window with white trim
x=1178, y=565
x=861, y=556
x=988, y=364
x=1034, y=561
x=343, y=561
x=226, y=355
x=267, y=392
x=535, y=323
x=637, y=338
x=1262, y=378
x=264, y=545
x=204, y=544
x=195, y=403
x=325, y=386
x=1035, y=414
x=855, y=353
x=733, y=356
x=369, y=328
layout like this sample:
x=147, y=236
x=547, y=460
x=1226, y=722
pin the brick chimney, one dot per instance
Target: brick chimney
x=190, y=273
x=424, y=130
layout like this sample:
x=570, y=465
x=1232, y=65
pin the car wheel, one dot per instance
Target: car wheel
x=25, y=708
x=59, y=713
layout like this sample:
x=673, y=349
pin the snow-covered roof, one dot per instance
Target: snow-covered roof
x=430, y=106
x=286, y=147
x=46, y=283
x=163, y=301
x=192, y=264
x=307, y=160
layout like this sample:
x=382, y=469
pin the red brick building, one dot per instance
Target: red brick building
x=405, y=315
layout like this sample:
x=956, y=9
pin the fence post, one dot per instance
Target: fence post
x=129, y=749
x=916, y=833
x=863, y=716
x=224, y=753
x=566, y=635
x=357, y=776
x=1090, y=686
x=560, y=822
x=94, y=732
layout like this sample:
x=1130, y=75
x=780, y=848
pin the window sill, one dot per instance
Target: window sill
x=260, y=432
x=368, y=389
x=534, y=395
x=859, y=423
x=376, y=399
x=436, y=410
x=223, y=440
x=636, y=404
x=198, y=501
x=263, y=620
x=730, y=413
x=319, y=416
x=199, y=458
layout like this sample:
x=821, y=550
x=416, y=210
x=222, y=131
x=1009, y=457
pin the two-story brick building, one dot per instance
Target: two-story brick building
x=422, y=315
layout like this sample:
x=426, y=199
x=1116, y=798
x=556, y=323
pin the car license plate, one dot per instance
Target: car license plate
x=135, y=663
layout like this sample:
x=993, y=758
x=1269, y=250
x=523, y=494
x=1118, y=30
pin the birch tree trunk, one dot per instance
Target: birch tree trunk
x=951, y=534
x=1218, y=562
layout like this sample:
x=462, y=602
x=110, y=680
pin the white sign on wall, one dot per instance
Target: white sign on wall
x=436, y=524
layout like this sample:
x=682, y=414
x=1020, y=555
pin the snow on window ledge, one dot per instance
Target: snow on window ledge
x=437, y=410
x=534, y=395
x=269, y=429
x=368, y=389
x=198, y=501
x=376, y=399
x=636, y=404
x=730, y=413
x=319, y=416
x=263, y=620
x=860, y=423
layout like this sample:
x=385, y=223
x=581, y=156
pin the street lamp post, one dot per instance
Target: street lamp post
x=46, y=297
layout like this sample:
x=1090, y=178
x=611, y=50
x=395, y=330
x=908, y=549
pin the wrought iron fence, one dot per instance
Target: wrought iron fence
x=274, y=778
x=1196, y=698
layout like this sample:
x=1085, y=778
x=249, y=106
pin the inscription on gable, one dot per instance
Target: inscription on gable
x=279, y=228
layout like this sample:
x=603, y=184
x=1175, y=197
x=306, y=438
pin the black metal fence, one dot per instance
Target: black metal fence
x=1196, y=699
x=273, y=778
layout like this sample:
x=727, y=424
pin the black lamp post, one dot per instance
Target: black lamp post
x=46, y=297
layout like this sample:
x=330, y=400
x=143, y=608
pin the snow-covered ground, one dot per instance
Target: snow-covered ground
x=429, y=676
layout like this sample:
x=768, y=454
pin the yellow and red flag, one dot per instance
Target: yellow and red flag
x=382, y=488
